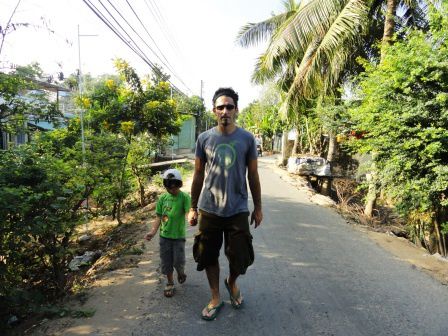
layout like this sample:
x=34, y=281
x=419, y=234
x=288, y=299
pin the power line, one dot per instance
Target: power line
x=169, y=65
x=126, y=21
x=164, y=28
x=127, y=41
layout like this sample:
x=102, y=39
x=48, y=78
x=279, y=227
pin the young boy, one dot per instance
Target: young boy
x=171, y=209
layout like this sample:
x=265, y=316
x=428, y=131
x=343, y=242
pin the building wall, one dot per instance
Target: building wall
x=185, y=141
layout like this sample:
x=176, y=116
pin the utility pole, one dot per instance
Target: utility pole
x=202, y=88
x=80, y=92
x=83, y=144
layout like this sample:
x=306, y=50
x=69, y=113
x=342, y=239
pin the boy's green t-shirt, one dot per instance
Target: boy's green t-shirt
x=172, y=210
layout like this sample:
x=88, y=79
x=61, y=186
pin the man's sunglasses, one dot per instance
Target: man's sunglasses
x=229, y=107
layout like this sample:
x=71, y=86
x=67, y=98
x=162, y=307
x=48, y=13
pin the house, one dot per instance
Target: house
x=54, y=93
x=184, y=142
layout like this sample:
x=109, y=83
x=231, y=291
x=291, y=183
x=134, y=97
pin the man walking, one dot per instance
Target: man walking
x=224, y=154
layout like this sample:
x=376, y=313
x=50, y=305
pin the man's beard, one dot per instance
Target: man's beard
x=225, y=121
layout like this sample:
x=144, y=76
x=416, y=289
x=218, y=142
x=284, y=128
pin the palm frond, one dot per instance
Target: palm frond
x=313, y=19
x=326, y=57
x=252, y=34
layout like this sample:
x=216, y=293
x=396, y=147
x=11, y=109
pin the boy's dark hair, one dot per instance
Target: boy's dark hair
x=170, y=183
x=229, y=92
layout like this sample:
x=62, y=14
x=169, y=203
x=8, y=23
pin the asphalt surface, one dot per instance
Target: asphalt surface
x=313, y=275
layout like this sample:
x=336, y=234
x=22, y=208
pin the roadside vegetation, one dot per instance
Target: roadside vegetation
x=364, y=84
x=53, y=185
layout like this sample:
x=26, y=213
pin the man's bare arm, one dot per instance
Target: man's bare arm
x=198, y=181
x=255, y=189
x=196, y=187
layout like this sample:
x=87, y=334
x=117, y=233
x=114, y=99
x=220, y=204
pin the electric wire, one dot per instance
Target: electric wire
x=159, y=72
x=139, y=36
x=103, y=18
x=169, y=65
x=163, y=25
x=127, y=41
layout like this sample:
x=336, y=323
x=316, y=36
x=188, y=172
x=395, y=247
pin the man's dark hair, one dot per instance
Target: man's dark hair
x=229, y=92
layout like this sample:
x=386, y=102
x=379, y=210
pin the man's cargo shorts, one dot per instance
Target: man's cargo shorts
x=237, y=241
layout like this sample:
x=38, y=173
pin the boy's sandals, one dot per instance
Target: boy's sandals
x=169, y=290
x=236, y=301
x=181, y=278
x=210, y=312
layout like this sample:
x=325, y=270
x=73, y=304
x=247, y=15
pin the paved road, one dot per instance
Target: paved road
x=313, y=275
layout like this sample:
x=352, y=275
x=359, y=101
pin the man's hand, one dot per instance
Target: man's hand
x=193, y=216
x=257, y=217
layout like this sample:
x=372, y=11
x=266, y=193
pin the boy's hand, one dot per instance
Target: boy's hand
x=193, y=217
x=149, y=236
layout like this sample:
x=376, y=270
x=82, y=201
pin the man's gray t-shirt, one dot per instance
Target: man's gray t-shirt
x=226, y=157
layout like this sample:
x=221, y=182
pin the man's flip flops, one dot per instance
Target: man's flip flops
x=214, y=310
x=233, y=300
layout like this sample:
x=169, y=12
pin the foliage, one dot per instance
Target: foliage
x=39, y=200
x=130, y=106
x=194, y=106
x=21, y=101
x=141, y=154
x=403, y=115
x=262, y=116
x=131, y=109
x=311, y=44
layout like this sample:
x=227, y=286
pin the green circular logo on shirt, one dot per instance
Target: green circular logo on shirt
x=226, y=155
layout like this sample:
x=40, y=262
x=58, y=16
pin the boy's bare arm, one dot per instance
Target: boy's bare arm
x=154, y=229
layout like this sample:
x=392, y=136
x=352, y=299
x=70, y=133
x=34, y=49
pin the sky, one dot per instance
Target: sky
x=192, y=40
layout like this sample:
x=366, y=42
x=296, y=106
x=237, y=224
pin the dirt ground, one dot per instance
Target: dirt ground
x=118, y=295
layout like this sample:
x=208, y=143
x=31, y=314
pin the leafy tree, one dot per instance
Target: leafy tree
x=403, y=115
x=194, y=106
x=131, y=108
x=313, y=45
x=20, y=101
x=39, y=201
x=139, y=158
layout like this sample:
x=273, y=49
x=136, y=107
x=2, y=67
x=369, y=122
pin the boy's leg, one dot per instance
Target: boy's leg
x=169, y=288
x=166, y=265
x=179, y=260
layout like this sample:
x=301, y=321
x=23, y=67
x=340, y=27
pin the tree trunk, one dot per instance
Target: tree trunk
x=371, y=195
x=284, y=147
x=389, y=29
x=332, y=148
x=295, y=147
x=440, y=238
x=312, y=148
x=114, y=211
x=389, y=25
x=119, y=208
x=142, y=192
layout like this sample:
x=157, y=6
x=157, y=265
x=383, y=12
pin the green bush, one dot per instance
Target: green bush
x=39, y=200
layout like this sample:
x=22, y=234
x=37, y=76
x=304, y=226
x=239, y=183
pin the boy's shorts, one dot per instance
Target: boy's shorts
x=172, y=255
x=237, y=241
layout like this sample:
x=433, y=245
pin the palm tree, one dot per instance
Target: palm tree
x=313, y=44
